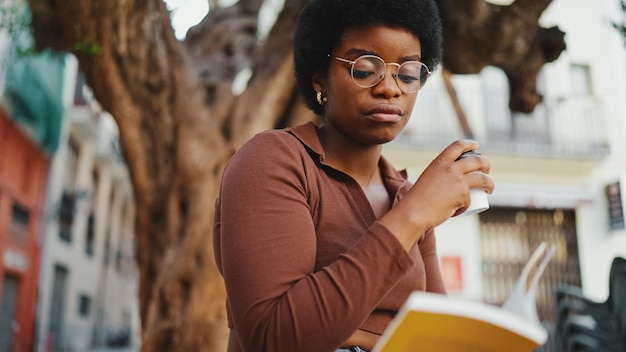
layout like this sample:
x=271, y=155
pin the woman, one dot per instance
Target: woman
x=319, y=240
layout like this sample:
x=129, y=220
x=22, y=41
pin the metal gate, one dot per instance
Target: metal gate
x=508, y=238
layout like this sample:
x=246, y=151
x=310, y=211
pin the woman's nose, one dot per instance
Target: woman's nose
x=388, y=84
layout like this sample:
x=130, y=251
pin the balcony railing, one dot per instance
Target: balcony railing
x=572, y=127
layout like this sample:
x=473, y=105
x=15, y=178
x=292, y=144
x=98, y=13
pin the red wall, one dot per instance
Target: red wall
x=23, y=176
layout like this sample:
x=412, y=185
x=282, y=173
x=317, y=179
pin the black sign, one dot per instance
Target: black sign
x=616, y=211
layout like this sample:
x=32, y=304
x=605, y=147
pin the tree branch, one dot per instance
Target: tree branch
x=508, y=37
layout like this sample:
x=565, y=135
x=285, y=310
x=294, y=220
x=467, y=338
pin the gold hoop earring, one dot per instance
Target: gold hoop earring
x=321, y=99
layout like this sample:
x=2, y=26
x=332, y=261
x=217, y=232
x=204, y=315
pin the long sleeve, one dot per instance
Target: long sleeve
x=428, y=249
x=303, y=258
x=267, y=249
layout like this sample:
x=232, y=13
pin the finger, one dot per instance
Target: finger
x=456, y=148
x=473, y=163
x=480, y=180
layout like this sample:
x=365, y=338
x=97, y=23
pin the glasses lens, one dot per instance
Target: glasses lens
x=411, y=76
x=367, y=71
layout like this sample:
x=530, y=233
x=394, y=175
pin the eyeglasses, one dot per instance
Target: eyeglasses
x=368, y=70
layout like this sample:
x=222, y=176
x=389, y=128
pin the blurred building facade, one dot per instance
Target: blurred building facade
x=88, y=272
x=30, y=120
x=559, y=171
x=23, y=171
x=68, y=279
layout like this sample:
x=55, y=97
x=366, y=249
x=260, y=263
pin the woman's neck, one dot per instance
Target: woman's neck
x=357, y=160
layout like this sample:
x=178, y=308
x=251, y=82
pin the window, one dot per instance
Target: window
x=20, y=217
x=90, y=234
x=66, y=216
x=68, y=200
x=84, y=305
x=581, y=80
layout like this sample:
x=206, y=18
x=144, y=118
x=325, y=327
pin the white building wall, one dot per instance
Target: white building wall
x=50, y=229
x=591, y=39
x=542, y=182
x=460, y=237
x=86, y=274
x=82, y=267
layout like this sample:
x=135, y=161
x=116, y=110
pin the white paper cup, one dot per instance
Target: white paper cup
x=479, y=202
x=478, y=196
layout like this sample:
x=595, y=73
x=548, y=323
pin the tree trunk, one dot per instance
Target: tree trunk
x=177, y=130
x=180, y=122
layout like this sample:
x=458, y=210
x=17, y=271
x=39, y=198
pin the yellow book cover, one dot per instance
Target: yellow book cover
x=436, y=323
x=430, y=322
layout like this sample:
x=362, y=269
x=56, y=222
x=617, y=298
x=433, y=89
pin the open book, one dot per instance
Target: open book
x=436, y=323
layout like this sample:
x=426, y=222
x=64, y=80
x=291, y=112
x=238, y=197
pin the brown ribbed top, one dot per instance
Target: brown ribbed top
x=304, y=260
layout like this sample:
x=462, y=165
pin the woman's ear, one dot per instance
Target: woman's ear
x=319, y=82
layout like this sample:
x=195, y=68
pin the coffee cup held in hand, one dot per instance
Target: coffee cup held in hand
x=478, y=196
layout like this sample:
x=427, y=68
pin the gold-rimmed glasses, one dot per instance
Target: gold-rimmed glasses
x=368, y=70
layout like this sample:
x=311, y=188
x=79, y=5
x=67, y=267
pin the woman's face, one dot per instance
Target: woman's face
x=374, y=115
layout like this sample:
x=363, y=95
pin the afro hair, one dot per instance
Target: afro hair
x=322, y=23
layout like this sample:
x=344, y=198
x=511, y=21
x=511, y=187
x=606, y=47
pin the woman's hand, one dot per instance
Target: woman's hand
x=443, y=188
x=441, y=191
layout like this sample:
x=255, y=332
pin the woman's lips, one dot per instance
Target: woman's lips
x=385, y=113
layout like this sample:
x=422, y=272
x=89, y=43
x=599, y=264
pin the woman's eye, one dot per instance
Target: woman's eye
x=408, y=79
x=361, y=74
